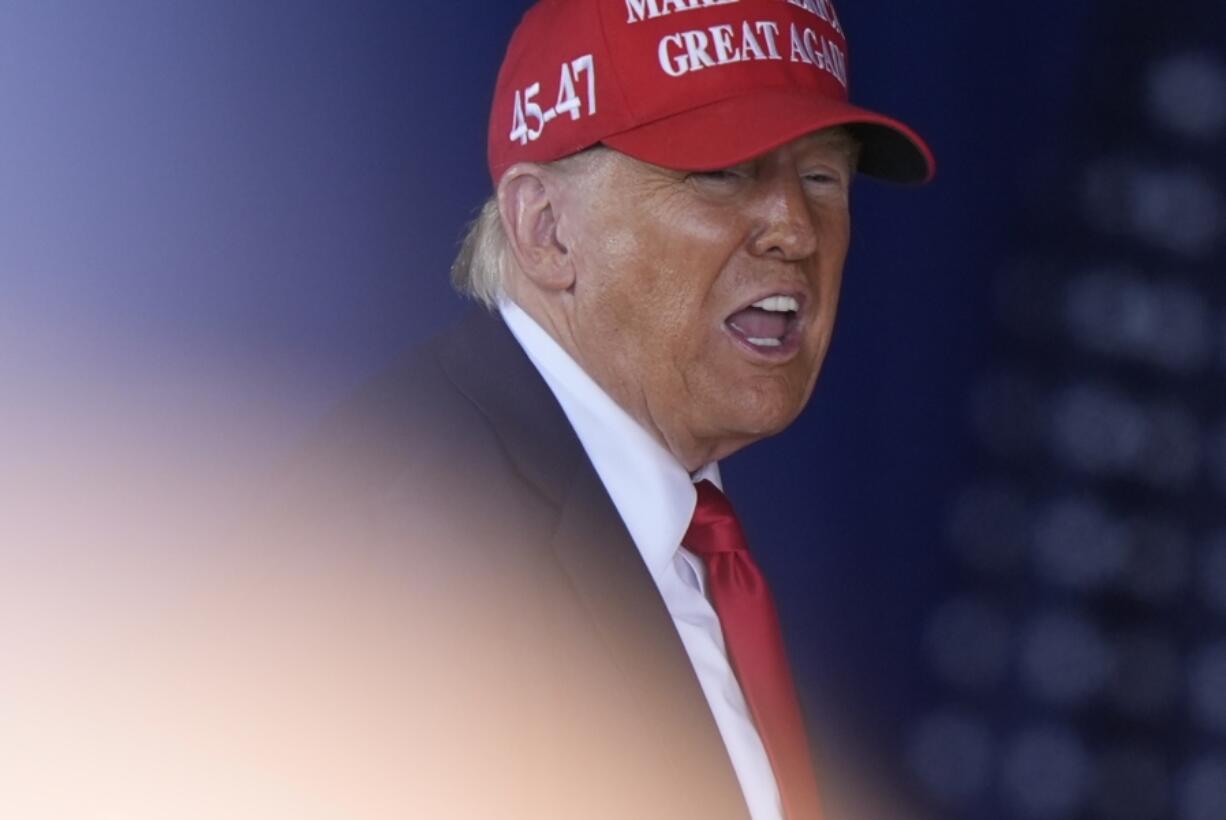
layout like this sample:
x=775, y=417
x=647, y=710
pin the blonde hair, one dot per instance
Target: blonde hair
x=477, y=269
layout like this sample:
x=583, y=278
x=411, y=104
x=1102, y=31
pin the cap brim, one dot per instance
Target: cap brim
x=736, y=129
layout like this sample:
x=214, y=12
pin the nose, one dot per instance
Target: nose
x=787, y=228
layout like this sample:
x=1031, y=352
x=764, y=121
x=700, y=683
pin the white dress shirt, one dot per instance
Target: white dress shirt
x=655, y=497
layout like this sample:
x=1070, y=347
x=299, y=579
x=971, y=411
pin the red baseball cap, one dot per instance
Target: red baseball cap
x=686, y=84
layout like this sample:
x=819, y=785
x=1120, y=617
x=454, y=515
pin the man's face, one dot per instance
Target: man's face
x=704, y=302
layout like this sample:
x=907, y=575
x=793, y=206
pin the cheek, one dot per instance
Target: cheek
x=651, y=283
x=645, y=285
x=617, y=243
x=838, y=241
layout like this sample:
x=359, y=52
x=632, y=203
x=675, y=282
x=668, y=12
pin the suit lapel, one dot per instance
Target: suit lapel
x=485, y=362
x=619, y=596
x=598, y=557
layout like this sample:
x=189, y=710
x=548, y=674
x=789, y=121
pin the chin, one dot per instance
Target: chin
x=763, y=415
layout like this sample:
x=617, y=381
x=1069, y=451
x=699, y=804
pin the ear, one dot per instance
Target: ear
x=530, y=219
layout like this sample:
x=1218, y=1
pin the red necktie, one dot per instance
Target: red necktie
x=755, y=646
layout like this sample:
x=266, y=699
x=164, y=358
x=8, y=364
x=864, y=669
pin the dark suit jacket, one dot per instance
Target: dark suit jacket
x=538, y=622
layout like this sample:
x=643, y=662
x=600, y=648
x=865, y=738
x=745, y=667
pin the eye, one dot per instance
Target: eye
x=825, y=181
x=823, y=177
x=721, y=181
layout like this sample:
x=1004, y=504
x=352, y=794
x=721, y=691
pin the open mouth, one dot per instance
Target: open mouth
x=768, y=326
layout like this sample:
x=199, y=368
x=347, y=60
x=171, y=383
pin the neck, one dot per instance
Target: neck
x=690, y=453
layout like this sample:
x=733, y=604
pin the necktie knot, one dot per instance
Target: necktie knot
x=714, y=528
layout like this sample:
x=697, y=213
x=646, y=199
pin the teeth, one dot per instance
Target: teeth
x=778, y=304
x=765, y=342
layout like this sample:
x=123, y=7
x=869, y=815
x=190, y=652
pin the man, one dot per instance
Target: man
x=662, y=259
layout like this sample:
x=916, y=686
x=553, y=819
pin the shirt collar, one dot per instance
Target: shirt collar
x=653, y=493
